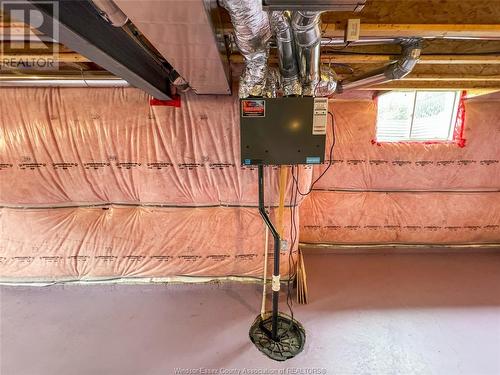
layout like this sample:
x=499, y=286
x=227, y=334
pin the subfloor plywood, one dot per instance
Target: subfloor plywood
x=369, y=314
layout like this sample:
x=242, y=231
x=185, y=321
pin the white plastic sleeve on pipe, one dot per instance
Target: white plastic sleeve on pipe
x=276, y=283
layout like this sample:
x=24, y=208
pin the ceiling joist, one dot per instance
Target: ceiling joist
x=70, y=57
x=417, y=30
x=361, y=58
x=354, y=58
x=436, y=85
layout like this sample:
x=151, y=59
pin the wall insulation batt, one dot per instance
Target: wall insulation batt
x=97, y=184
x=407, y=192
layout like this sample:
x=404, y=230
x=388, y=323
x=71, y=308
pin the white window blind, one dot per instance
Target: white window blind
x=417, y=116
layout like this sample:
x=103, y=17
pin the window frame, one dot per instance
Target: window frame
x=455, y=127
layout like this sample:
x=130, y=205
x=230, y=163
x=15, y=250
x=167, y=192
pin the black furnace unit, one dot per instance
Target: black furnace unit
x=283, y=131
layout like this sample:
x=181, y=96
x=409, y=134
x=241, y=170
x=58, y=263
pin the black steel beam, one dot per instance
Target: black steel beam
x=82, y=29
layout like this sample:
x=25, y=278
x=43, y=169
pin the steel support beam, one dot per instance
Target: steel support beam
x=83, y=30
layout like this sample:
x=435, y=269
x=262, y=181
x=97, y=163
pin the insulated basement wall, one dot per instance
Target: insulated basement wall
x=407, y=192
x=88, y=146
x=113, y=242
x=108, y=187
x=96, y=183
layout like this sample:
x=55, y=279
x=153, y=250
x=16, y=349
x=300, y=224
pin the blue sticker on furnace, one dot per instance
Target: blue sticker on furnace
x=313, y=160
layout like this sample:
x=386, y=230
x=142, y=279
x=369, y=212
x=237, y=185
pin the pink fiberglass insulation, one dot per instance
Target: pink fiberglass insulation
x=407, y=192
x=96, y=183
x=89, y=146
x=359, y=163
x=373, y=217
x=93, y=243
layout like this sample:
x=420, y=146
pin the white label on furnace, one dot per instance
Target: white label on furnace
x=320, y=116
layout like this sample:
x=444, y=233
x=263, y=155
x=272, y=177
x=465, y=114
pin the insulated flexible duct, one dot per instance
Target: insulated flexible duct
x=327, y=84
x=307, y=33
x=253, y=32
x=411, y=49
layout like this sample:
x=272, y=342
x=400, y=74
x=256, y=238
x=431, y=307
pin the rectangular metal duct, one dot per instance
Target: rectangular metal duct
x=183, y=32
x=325, y=5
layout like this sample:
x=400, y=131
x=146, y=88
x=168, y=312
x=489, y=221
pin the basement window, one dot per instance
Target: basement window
x=417, y=116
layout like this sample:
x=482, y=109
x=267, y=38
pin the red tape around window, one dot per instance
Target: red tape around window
x=458, y=132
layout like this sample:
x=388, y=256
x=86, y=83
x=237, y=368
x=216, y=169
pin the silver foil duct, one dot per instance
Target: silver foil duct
x=253, y=32
x=282, y=31
x=411, y=49
x=273, y=83
x=327, y=84
x=307, y=33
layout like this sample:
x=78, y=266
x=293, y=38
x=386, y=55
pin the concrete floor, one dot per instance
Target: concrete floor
x=369, y=314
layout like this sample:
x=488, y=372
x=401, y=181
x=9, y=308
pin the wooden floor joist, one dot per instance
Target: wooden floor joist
x=34, y=46
x=436, y=85
x=333, y=30
x=456, y=12
x=451, y=77
x=362, y=58
x=17, y=29
x=355, y=58
x=439, y=77
x=60, y=57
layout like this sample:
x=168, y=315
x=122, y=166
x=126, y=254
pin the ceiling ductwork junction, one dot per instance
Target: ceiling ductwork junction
x=298, y=40
x=297, y=35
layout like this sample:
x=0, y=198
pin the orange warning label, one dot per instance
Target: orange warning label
x=253, y=108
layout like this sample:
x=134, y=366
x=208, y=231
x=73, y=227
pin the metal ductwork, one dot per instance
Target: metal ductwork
x=299, y=47
x=307, y=33
x=41, y=79
x=411, y=49
x=253, y=32
x=283, y=34
x=327, y=84
x=298, y=40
